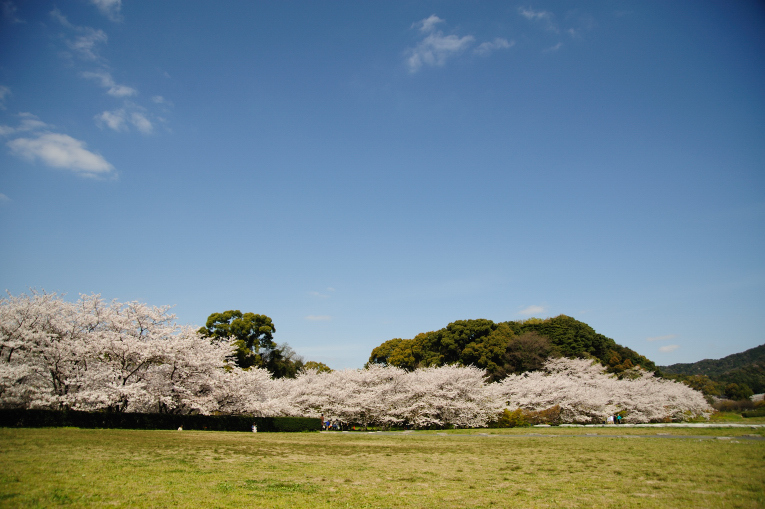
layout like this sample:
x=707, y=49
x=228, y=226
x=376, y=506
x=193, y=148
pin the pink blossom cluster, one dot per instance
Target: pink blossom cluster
x=386, y=395
x=91, y=354
x=585, y=393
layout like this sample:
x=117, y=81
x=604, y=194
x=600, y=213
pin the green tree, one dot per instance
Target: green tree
x=320, y=367
x=252, y=333
x=527, y=352
x=738, y=392
x=282, y=361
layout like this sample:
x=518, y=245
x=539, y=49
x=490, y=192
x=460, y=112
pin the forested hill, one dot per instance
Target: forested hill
x=716, y=367
x=745, y=368
x=507, y=347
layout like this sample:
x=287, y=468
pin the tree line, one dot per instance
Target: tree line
x=130, y=357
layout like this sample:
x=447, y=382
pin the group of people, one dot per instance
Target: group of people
x=614, y=419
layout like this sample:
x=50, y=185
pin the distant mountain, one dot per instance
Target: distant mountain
x=746, y=367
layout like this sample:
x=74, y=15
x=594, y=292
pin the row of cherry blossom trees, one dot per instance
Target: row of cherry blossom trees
x=97, y=355
x=585, y=392
x=91, y=354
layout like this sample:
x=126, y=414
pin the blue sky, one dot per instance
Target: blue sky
x=360, y=171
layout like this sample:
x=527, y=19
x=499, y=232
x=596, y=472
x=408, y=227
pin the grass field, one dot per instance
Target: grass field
x=526, y=467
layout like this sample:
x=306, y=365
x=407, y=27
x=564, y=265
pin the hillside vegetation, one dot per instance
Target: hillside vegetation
x=742, y=369
x=507, y=347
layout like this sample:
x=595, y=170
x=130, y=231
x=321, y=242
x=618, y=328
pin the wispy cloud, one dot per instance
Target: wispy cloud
x=318, y=318
x=28, y=122
x=158, y=99
x=324, y=295
x=116, y=120
x=109, y=8
x=532, y=310
x=120, y=119
x=61, y=151
x=141, y=123
x=435, y=48
x=577, y=22
x=86, y=40
x=428, y=24
x=662, y=338
x=546, y=18
x=4, y=92
x=9, y=12
x=86, y=44
x=4, y=198
x=533, y=15
x=668, y=348
x=112, y=88
x=488, y=47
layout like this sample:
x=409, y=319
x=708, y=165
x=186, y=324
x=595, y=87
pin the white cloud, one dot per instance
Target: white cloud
x=487, y=47
x=109, y=8
x=4, y=198
x=28, y=123
x=532, y=310
x=116, y=120
x=554, y=48
x=662, y=338
x=61, y=151
x=106, y=81
x=545, y=17
x=669, y=348
x=531, y=14
x=119, y=119
x=141, y=123
x=86, y=44
x=427, y=24
x=436, y=48
x=318, y=318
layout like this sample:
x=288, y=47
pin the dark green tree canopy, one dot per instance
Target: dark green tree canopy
x=252, y=333
x=256, y=331
x=507, y=347
x=255, y=346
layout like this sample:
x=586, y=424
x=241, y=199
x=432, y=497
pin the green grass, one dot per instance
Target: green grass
x=529, y=467
x=735, y=417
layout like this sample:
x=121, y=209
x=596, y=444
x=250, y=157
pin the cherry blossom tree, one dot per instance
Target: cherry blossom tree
x=90, y=354
x=387, y=395
x=586, y=393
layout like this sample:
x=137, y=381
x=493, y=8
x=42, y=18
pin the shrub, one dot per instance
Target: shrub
x=21, y=418
x=760, y=412
x=550, y=415
x=518, y=418
x=727, y=405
